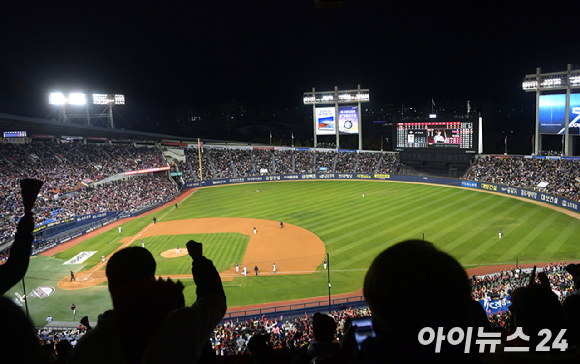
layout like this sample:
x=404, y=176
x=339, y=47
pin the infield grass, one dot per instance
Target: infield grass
x=355, y=230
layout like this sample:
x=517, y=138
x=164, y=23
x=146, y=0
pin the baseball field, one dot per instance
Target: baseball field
x=319, y=217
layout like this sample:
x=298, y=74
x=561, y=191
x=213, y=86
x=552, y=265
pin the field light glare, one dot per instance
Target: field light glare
x=77, y=98
x=56, y=98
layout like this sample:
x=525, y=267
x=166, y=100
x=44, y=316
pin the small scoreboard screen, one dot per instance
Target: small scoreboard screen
x=14, y=134
x=447, y=135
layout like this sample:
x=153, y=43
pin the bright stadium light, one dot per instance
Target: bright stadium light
x=69, y=107
x=575, y=80
x=552, y=82
x=77, y=98
x=56, y=98
x=101, y=99
x=363, y=96
x=530, y=84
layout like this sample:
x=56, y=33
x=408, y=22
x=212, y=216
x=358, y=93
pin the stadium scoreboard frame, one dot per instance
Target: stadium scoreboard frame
x=457, y=135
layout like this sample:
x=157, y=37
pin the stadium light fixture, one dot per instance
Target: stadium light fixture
x=56, y=98
x=328, y=97
x=547, y=81
x=77, y=98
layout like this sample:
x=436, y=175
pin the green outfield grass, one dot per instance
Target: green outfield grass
x=355, y=230
x=223, y=249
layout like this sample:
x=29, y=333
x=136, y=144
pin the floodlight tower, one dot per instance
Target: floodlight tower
x=553, y=111
x=77, y=100
x=342, y=120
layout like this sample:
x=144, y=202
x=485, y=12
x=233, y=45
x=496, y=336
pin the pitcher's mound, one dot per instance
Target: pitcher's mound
x=172, y=253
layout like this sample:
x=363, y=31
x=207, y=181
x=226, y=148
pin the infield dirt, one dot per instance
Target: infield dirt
x=293, y=249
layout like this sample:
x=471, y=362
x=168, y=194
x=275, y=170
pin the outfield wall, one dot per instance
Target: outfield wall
x=513, y=191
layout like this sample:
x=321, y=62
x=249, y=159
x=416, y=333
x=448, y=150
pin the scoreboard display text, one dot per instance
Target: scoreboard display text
x=450, y=134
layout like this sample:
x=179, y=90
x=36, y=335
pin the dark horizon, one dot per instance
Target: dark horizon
x=164, y=57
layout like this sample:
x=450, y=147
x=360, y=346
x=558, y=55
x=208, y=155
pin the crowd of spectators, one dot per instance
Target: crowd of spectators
x=67, y=170
x=325, y=162
x=345, y=162
x=232, y=338
x=303, y=162
x=192, y=155
x=231, y=162
x=243, y=162
x=389, y=163
x=263, y=161
x=283, y=161
x=221, y=161
x=558, y=177
x=122, y=195
x=502, y=284
x=367, y=162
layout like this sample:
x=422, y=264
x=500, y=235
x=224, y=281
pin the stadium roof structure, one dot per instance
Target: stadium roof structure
x=34, y=126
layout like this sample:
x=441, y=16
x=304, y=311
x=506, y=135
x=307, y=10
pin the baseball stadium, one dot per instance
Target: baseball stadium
x=291, y=231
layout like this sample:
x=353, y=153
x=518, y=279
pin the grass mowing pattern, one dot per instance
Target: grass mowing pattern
x=462, y=222
x=224, y=249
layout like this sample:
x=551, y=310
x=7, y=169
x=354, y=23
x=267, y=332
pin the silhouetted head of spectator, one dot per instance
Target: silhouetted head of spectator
x=574, y=270
x=323, y=327
x=129, y=265
x=258, y=345
x=63, y=347
x=19, y=343
x=571, y=309
x=535, y=308
x=400, y=282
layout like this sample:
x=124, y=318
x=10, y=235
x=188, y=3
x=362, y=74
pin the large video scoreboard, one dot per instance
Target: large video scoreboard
x=453, y=135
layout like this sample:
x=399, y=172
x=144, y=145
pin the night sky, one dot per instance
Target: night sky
x=204, y=53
